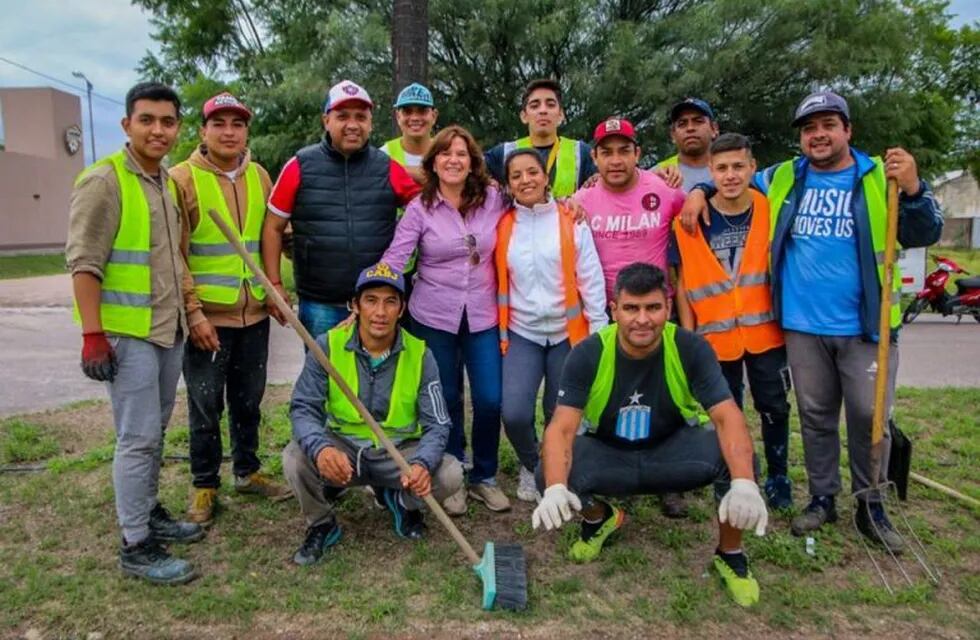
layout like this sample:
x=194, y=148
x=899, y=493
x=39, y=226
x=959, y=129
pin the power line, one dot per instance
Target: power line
x=61, y=82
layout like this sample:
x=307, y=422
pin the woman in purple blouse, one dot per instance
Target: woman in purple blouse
x=453, y=224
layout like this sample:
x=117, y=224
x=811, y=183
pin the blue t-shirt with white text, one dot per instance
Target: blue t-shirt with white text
x=821, y=274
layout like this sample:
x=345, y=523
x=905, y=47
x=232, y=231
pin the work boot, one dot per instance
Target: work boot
x=673, y=505
x=150, y=561
x=872, y=522
x=594, y=534
x=490, y=495
x=318, y=539
x=455, y=505
x=779, y=493
x=165, y=529
x=407, y=523
x=738, y=580
x=527, y=487
x=260, y=484
x=203, y=505
x=820, y=510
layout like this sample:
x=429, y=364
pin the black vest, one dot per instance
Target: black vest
x=343, y=219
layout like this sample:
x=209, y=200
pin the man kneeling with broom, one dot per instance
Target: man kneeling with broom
x=397, y=379
x=638, y=387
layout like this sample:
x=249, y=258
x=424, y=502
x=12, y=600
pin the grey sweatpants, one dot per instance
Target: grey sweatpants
x=826, y=371
x=142, y=398
x=372, y=467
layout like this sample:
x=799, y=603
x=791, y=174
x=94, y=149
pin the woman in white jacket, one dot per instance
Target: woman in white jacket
x=551, y=295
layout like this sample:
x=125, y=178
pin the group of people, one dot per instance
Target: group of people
x=640, y=299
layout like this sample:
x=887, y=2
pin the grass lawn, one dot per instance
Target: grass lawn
x=27, y=266
x=58, y=543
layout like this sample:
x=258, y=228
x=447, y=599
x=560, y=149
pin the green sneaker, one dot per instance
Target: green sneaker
x=588, y=550
x=738, y=579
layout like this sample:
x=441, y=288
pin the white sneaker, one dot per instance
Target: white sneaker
x=527, y=488
x=455, y=505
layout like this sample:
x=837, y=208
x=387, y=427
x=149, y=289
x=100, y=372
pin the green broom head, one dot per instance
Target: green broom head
x=503, y=572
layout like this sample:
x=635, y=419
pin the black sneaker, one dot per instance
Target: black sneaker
x=165, y=529
x=407, y=524
x=872, y=522
x=820, y=510
x=149, y=560
x=318, y=539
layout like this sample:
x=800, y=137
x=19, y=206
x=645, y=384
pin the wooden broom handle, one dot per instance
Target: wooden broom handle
x=321, y=357
x=884, y=319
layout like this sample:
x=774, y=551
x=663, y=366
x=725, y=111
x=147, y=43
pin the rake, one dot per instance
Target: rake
x=879, y=490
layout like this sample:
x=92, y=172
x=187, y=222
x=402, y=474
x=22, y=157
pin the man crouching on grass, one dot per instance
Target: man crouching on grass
x=397, y=379
x=638, y=386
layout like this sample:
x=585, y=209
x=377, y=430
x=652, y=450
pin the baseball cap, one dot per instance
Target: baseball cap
x=691, y=103
x=614, y=127
x=821, y=102
x=346, y=91
x=414, y=94
x=380, y=273
x=224, y=101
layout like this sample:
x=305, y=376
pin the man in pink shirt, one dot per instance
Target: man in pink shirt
x=630, y=211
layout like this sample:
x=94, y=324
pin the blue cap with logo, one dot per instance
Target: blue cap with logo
x=380, y=274
x=414, y=94
x=821, y=102
x=691, y=103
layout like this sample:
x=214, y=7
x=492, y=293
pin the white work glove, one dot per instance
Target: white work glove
x=555, y=507
x=743, y=507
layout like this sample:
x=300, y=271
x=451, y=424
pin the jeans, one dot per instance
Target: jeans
x=319, y=317
x=142, y=398
x=769, y=382
x=828, y=370
x=480, y=353
x=688, y=459
x=525, y=364
x=236, y=372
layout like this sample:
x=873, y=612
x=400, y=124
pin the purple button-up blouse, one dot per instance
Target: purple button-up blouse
x=447, y=283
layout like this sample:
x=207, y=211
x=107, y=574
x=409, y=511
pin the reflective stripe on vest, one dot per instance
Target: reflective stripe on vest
x=401, y=422
x=672, y=161
x=575, y=322
x=217, y=268
x=126, y=291
x=565, y=180
x=873, y=184
x=676, y=379
x=733, y=313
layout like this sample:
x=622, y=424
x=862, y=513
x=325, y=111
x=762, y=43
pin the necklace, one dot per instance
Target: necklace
x=741, y=225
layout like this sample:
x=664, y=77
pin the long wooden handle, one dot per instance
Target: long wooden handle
x=973, y=502
x=321, y=357
x=884, y=333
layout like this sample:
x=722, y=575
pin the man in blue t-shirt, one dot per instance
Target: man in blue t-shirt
x=827, y=294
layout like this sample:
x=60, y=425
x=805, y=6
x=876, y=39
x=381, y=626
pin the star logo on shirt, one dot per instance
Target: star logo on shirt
x=635, y=398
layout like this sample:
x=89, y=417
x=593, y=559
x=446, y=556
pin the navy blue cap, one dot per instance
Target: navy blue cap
x=380, y=274
x=821, y=102
x=691, y=103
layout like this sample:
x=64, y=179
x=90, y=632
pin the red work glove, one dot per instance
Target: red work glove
x=98, y=358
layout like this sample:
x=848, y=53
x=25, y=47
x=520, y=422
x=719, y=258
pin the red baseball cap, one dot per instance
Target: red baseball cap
x=614, y=127
x=224, y=101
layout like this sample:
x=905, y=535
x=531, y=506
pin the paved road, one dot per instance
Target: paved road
x=40, y=349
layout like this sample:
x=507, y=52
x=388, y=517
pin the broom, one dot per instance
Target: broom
x=502, y=570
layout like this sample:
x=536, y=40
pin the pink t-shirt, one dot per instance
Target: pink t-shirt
x=633, y=226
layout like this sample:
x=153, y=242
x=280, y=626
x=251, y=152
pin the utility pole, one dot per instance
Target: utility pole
x=91, y=120
x=409, y=45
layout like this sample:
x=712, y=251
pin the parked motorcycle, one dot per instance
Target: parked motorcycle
x=934, y=294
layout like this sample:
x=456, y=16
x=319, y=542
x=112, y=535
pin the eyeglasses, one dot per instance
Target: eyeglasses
x=470, y=241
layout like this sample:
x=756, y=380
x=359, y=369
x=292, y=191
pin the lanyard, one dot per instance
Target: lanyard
x=552, y=156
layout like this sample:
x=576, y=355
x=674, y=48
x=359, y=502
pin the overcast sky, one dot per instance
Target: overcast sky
x=105, y=39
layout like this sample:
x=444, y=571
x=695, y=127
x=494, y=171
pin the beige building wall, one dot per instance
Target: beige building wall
x=36, y=168
x=959, y=195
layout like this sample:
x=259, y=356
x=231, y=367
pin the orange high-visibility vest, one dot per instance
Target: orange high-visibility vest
x=734, y=314
x=578, y=326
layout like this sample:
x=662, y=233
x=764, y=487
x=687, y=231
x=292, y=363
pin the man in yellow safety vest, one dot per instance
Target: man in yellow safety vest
x=416, y=115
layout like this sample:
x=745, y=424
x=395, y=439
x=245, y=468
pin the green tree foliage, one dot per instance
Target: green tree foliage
x=910, y=78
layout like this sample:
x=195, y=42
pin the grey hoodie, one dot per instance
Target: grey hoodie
x=311, y=422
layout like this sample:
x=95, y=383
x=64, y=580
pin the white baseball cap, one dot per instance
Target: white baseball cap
x=346, y=91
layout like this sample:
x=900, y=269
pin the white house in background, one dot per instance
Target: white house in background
x=959, y=194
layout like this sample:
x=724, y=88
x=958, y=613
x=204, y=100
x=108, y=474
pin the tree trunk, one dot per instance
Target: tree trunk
x=409, y=45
